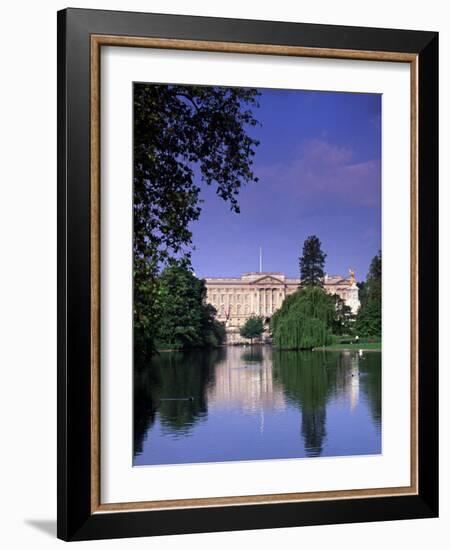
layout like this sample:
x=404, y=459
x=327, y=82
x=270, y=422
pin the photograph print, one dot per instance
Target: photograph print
x=257, y=267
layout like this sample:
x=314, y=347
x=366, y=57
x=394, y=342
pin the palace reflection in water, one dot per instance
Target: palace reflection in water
x=256, y=403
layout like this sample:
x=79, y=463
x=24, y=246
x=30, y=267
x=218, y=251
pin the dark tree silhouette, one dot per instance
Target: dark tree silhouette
x=343, y=317
x=182, y=135
x=312, y=262
x=368, y=320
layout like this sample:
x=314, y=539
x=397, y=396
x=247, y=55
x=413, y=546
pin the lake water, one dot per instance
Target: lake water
x=255, y=403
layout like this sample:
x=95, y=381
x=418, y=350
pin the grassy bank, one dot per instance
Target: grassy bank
x=363, y=346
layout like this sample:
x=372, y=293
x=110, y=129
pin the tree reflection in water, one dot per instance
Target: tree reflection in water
x=174, y=384
x=256, y=402
x=305, y=379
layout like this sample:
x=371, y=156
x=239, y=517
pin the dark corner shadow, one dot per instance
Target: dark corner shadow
x=47, y=526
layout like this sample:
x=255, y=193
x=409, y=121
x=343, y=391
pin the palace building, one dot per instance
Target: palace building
x=259, y=293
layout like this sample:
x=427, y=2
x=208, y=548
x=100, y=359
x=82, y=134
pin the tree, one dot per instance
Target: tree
x=368, y=320
x=304, y=320
x=252, y=328
x=374, y=278
x=312, y=263
x=213, y=331
x=343, y=319
x=182, y=135
x=309, y=317
x=186, y=320
x=362, y=292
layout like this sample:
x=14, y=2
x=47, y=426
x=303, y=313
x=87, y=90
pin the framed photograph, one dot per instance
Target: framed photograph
x=247, y=252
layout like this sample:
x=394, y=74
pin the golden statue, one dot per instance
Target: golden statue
x=352, y=276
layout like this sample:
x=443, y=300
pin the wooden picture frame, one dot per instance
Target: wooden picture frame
x=81, y=35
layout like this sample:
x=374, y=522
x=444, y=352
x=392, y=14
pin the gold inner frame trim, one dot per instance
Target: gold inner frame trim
x=97, y=41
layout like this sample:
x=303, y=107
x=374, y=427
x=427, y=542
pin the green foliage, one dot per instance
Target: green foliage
x=304, y=320
x=253, y=328
x=368, y=320
x=147, y=306
x=312, y=263
x=343, y=319
x=310, y=317
x=186, y=320
x=362, y=292
x=180, y=131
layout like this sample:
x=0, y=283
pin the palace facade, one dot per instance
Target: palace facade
x=255, y=293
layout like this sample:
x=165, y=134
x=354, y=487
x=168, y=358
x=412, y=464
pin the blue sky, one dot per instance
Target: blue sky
x=319, y=165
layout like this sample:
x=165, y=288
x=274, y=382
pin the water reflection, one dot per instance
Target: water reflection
x=256, y=403
x=305, y=381
x=174, y=387
x=244, y=382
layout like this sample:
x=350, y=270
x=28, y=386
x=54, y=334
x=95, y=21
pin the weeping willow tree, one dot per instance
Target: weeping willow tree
x=304, y=320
